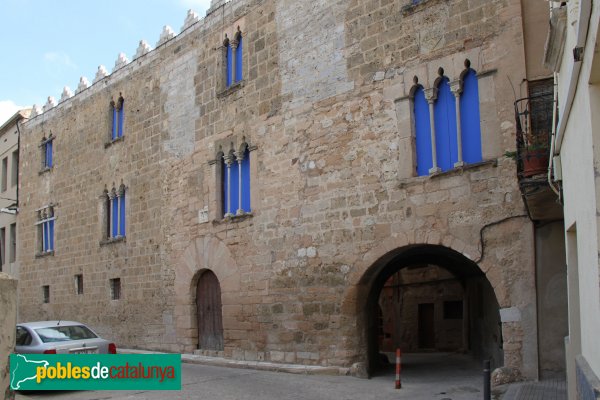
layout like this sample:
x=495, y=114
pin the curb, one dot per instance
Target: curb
x=256, y=365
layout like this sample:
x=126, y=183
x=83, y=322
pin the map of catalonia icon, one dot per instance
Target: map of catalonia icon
x=23, y=369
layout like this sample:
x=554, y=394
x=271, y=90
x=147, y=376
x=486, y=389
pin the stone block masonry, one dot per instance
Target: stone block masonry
x=324, y=108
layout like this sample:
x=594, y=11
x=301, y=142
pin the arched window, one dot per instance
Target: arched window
x=245, y=180
x=47, y=152
x=445, y=126
x=238, y=56
x=229, y=62
x=449, y=99
x=115, y=212
x=233, y=59
x=235, y=182
x=117, y=118
x=422, y=131
x=469, y=118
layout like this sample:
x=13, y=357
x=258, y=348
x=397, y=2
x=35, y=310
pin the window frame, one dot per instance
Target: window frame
x=14, y=176
x=232, y=56
x=115, y=288
x=235, y=183
x=78, y=284
x=114, y=206
x=46, y=231
x=117, y=119
x=46, y=294
x=4, y=180
x=47, y=153
x=452, y=138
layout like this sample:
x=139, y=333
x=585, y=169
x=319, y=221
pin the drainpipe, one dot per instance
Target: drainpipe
x=558, y=135
x=19, y=150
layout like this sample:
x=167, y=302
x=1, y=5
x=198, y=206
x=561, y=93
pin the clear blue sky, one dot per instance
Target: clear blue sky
x=49, y=44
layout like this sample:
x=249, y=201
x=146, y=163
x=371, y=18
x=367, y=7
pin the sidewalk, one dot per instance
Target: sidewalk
x=258, y=365
x=544, y=390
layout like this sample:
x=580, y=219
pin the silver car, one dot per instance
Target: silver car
x=60, y=337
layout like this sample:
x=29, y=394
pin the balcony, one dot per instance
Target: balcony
x=534, y=126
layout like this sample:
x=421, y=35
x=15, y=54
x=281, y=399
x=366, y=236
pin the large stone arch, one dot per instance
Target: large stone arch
x=521, y=352
x=204, y=253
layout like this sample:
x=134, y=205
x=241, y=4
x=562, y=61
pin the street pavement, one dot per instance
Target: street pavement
x=455, y=377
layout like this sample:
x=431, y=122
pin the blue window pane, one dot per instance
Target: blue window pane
x=49, y=154
x=423, y=133
x=238, y=61
x=45, y=238
x=234, y=188
x=114, y=124
x=224, y=186
x=229, y=65
x=51, y=235
x=121, y=114
x=122, y=215
x=246, y=182
x=115, y=217
x=470, y=119
x=445, y=127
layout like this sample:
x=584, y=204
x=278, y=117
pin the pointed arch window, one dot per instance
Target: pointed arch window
x=422, y=131
x=470, y=117
x=47, y=148
x=117, y=118
x=233, y=51
x=235, y=182
x=115, y=212
x=444, y=111
x=447, y=123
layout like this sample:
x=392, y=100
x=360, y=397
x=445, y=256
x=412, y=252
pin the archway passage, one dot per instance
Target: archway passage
x=425, y=299
x=210, y=317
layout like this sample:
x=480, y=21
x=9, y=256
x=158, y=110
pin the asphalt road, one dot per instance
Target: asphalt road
x=454, y=377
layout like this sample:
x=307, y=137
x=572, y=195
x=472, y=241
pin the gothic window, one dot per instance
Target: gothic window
x=447, y=123
x=444, y=111
x=469, y=117
x=235, y=182
x=115, y=212
x=117, y=115
x=47, y=152
x=422, y=131
x=233, y=59
x=45, y=228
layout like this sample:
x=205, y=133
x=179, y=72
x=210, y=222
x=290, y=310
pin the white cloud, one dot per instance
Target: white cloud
x=199, y=6
x=60, y=59
x=7, y=109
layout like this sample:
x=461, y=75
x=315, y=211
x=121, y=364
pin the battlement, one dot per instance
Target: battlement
x=124, y=66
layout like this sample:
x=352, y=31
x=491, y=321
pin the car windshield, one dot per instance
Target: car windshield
x=64, y=333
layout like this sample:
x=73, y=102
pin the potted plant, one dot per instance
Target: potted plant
x=534, y=154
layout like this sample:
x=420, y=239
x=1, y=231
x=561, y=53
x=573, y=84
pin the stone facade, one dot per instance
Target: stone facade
x=325, y=109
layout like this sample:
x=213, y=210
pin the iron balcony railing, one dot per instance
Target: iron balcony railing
x=534, y=127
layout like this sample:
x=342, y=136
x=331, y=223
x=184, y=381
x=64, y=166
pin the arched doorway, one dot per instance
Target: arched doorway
x=209, y=310
x=429, y=298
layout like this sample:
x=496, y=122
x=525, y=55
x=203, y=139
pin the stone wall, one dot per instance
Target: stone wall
x=8, y=321
x=323, y=105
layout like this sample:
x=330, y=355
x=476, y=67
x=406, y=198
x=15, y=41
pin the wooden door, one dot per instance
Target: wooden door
x=210, y=319
x=426, y=326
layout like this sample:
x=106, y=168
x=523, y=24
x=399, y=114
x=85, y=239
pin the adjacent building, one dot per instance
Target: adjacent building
x=572, y=52
x=9, y=182
x=260, y=184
